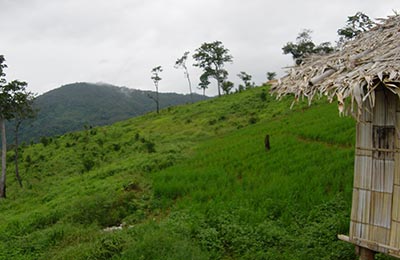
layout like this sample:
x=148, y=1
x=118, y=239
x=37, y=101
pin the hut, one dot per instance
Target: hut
x=364, y=77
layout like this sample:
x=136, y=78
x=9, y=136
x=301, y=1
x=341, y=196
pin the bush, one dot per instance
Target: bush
x=253, y=120
x=137, y=136
x=263, y=95
x=88, y=164
x=28, y=160
x=163, y=244
x=150, y=146
x=116, y=147
x=45, y=141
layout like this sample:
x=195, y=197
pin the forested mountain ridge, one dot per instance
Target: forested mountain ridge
x=73, y=106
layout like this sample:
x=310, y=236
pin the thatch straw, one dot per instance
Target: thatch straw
x=354, y=71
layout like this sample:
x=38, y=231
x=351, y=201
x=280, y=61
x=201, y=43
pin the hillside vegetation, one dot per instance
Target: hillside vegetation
x=193, y=182
x=74, y=106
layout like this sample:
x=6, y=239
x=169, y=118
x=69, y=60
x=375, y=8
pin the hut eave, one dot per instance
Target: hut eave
x=353, y=71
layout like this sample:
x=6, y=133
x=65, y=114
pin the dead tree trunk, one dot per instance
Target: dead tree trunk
x=3, y=158
x=17, y=124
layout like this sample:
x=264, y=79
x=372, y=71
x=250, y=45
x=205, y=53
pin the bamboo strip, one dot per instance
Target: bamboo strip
x=396, y=204
x=320, y=78
x=359, y=230
x=360, y=211
x=363, y=172
x=382, y=175
x=381, y=206
x=379, y=149
x=394, y=235
x=397, y=169
x=380, y=235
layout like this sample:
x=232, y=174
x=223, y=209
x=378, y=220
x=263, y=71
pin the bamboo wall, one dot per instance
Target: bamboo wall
x=375, y=215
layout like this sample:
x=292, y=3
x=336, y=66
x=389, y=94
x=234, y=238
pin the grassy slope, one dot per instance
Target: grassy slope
x=191, y=183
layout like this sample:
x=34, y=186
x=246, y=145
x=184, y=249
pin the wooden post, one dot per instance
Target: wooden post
x=365, y=253
x=266, y=142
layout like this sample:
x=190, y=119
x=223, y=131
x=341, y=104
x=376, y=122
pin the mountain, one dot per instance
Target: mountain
x=73, y=106
x=193, y=182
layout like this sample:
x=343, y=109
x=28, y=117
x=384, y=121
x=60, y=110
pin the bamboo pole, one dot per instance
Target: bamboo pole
x=320, y=78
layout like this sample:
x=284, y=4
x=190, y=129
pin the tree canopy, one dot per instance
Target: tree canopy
x=227, y=86
x=355, y=25
x=305, y=46
x=211, y=57
x=246, y=78
x=271, y=75
x=204, y=82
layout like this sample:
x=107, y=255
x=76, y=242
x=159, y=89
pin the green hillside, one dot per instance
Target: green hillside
x=73, y=106
x=193, y=182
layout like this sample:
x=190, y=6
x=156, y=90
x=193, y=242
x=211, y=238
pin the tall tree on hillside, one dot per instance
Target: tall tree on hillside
x=305, y=46
x=22, y=110
x=271, y=75
x=227, y=86
x=246, y=78
x=204, y=82
x=181, y=63
x=156, y=78
x=211, y=57
x=3, y=133
x=355, y=25
x=12, y=95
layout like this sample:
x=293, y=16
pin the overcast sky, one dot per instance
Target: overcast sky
x=49, y=43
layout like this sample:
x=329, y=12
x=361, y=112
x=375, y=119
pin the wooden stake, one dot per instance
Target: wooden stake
x=365, y=253
x=266, y=142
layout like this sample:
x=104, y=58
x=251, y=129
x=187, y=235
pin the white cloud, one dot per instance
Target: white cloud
x=53, y=42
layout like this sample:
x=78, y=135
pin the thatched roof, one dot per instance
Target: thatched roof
x=352, y=72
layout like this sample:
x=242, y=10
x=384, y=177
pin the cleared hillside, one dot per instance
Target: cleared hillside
x=193, y=182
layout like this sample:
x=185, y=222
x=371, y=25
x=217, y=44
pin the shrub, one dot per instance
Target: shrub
x=263, y=95
x=137, y=136
x=45, y=141
x=88, y=164
x=116, y=147
x=163, y=244
x=212, y=122
x=28, y=160
x=150, y=146
x=252, y=120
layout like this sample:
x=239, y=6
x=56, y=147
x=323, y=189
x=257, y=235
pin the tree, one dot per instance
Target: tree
x=204, y=83
x=181, y=63
x=227, y=86
x=305, y=46
x=156, y=78
x=355, y=25
x=271, y=75
x=2, y=67
x=22, y=110
x=246, y=80
x=211, y=57
x=12, y=96
x=3, y=133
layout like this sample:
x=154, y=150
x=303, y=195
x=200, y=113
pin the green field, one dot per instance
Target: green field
x=193, y=182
